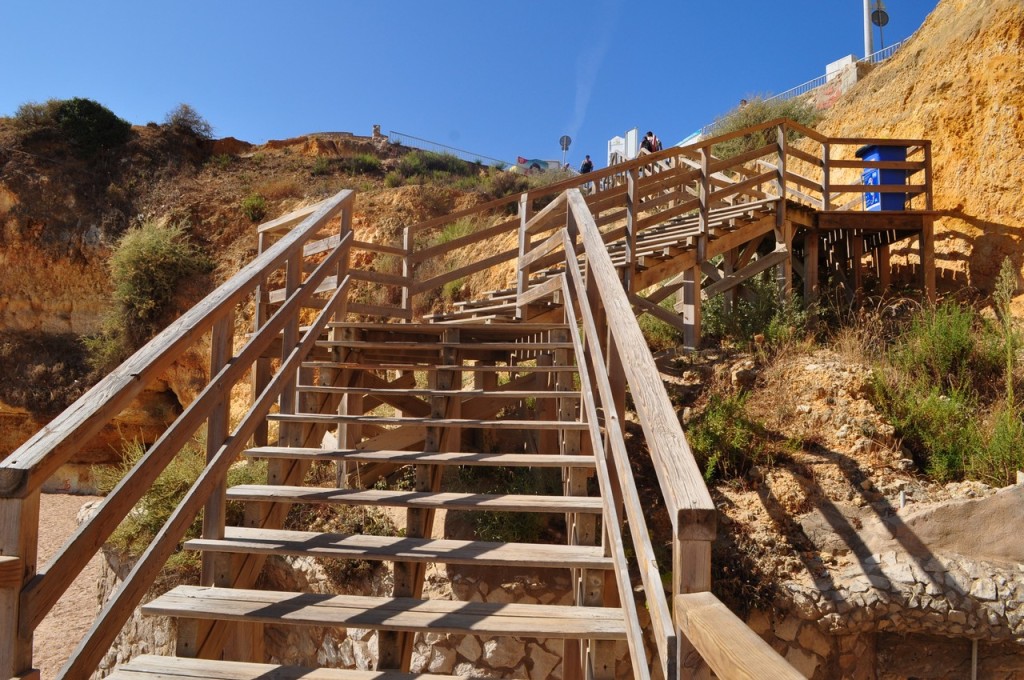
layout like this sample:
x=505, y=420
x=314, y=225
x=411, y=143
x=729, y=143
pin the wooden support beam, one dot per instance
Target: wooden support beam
x=753, y=269
x=811, y=285
x=927, y=245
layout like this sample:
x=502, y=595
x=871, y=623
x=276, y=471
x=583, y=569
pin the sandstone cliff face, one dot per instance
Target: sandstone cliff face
x=959, y=81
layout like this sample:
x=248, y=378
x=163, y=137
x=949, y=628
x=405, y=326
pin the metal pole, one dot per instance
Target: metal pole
x=868, y=48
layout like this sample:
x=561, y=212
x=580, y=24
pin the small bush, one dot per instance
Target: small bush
x=500, y=184
x=455, y=230
x=89, y=126
x=321, y=166
x=660, y=336
x=33, y=115
x=428, y=164
x=141, y=525
x=762, y=311
x=758, y=111
x=510, y=527
x=152, y=269
x=186, y=120
x=363, y=164
x=393, y=179
x=724, y=439
x=223, y=161
x=254, y=206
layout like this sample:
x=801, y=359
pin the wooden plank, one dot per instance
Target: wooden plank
x=464, y=271
x=378, y=248
x=12, y=569
x=411, y=457
x=740, y=188
x=379, y=310
x=740, y=159
x=378, y=278
x=150, y=667
x=803, y=181
x=871, y=220
x=752, y=269
x=427, y=368
x=732, y=650
x=289, y=220
x=804, y=156
x=501, y=393
x=538, y=292
x=879, y=188
x=381, y=613
x=881, y=165
x=536, y=252
x=415, y=499
x=463, y=241
x=547, y=215
x=429, y=422
x=403, y=548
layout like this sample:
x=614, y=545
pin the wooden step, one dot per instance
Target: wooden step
x=403, y=549
x=425, y=346
x=472, y=423
x=466, y=368
x=416, y=499
x=383, y=613
x=418, y=457
x=418, y=392
x=150, y=667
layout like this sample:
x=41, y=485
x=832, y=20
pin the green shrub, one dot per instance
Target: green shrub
x=363, y=164
x=89, y=126
x=761, y=311
x=1003, y=454
x=660, y=336
x=393, y=179
x=254, y=206
x=33, y=115
x=321, y=166
x=758, y=111
x=951, y=345
x=430, y=164
x=142, y=524
x=455, y=230
x=223, y=161
x=502, y=183
x=186, y=120
x=724, y=440
x=156, y=271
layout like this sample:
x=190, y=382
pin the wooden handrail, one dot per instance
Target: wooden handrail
x=661, y=618
x=690, y=506
x=729, y=646
x=32, y=463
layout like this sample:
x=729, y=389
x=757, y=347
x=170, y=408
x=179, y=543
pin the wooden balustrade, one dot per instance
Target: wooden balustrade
x=26, y=599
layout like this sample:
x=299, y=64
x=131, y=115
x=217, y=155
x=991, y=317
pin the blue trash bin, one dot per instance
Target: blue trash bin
x=875, y=176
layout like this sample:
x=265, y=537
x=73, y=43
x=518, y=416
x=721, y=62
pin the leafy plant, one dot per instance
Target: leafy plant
x=660, y=336
x=254, y=206
x=321, y=166
x=724, y=439
x=363, y=164
x=186, y=120
x=758, y=110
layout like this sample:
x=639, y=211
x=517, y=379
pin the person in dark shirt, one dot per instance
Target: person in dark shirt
x=586, y=166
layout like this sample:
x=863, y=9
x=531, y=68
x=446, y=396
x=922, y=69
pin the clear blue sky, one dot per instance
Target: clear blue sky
x=500, y=79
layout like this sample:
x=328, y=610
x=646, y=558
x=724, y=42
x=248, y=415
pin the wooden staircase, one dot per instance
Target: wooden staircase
x=535, y=375
x=427, y=388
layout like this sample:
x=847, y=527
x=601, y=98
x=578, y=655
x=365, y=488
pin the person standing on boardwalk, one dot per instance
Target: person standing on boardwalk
x=586, y=166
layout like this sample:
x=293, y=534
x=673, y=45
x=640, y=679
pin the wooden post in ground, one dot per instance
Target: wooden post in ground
x=217, y=427
x=19, y=533
x=927, y=244
x=523, y=275
x=691, y=573
x=812, y=288
x=857, y=266
x=407, y=270
x=884, y=266
x=632, y=208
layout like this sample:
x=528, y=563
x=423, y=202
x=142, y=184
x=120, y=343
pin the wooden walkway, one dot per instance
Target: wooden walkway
x=535, y=375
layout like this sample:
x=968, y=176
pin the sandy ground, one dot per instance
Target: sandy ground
x=71, y=617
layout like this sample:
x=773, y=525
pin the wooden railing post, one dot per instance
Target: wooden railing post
x=691, y=302
x=691, y=573
x=632, y=208
x=217, y=426
x=826, y=176
x=407, y=269
x=523, y=274
x=19, y=533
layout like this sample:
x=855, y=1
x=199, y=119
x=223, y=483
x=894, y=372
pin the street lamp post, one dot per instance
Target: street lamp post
x=868, y=47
